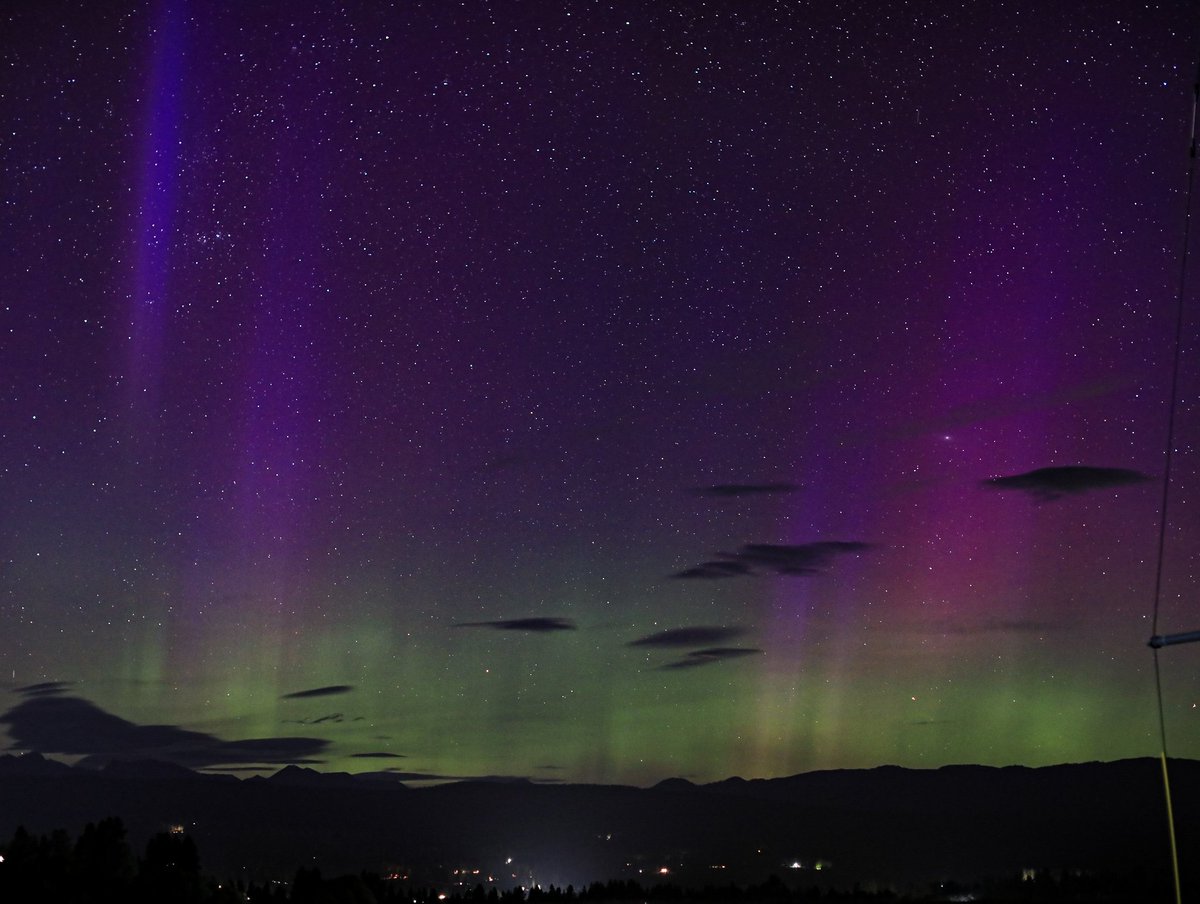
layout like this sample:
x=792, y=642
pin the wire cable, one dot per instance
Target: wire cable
x=1168, y=459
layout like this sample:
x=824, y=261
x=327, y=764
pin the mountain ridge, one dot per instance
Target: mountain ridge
x=888, y=825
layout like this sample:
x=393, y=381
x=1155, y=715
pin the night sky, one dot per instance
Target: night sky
x=594, y=391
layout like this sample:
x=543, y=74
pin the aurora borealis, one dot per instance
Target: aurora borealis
x=594, y=391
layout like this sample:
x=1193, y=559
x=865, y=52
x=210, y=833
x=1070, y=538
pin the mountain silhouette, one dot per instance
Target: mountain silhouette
x=887, y=825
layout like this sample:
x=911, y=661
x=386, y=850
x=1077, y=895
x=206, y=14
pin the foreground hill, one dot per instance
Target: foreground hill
x=888, y=825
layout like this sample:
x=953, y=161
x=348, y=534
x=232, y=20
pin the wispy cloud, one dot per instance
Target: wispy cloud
x=802, y=559
x=378, y=755
x=318, y=720
x=699, y=635
x=532, y=625
x=45, y=688
x=709, y=656
x=733, y=490
x=715, y=570
x=401, y=775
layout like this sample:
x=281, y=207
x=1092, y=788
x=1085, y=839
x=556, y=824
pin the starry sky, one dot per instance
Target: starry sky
x=594, y=391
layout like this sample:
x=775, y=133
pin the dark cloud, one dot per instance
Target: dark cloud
x=1048, y=484
x=710, y=655
x=262, y=750
x=800, y=559
x=789, y=559
x=379, y=755
x=715, y=570
x=233, y=769
x=331, y=690
x=697, y=636
x=534, y=625
x=401, y=775
x=731, y=490
x=73, y=726
x=45, y=688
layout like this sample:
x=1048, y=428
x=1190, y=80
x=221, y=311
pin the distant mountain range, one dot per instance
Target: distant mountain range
x=888, y=825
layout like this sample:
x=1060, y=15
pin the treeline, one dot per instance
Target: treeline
x=100, y=867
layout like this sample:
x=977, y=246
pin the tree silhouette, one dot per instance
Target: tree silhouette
x=103, y=870
x=36, y=867
x=170, y=870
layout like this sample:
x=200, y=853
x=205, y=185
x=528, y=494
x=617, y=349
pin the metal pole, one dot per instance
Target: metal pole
x=1168, y=640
